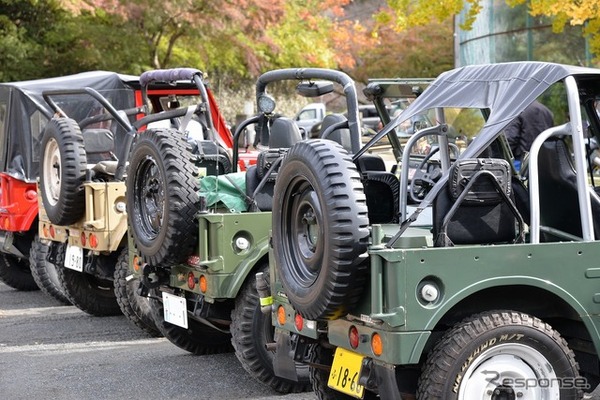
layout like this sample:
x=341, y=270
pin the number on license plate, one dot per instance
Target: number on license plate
x=344, y=373
x=74, y=258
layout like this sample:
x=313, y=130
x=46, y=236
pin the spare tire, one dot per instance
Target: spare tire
x=320, y=223
x=162, y=197
x=62, y=171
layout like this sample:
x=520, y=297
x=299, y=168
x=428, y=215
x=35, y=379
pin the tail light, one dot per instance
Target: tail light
x=299, y=322
x=376, y=344
x=353, y=337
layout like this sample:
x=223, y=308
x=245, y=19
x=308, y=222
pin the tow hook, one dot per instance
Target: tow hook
x=149, y=278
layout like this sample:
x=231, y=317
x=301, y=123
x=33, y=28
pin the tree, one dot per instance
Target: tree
x=410, y=13
x=417, y=52
x=24, y=25
x=574, y=12
x=315, y=33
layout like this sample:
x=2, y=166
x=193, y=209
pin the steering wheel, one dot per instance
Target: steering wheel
x=423, y=180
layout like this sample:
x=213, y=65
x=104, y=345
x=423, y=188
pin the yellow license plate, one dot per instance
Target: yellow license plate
x=344, y=373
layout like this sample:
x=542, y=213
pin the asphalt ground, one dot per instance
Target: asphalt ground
x=52, y=351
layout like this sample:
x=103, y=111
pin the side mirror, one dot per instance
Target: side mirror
x=314, y=89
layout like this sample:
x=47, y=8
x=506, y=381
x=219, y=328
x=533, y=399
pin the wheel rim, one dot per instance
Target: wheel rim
x=149, y=198
x=52, y=171
x=510, y=372
x=303, y=232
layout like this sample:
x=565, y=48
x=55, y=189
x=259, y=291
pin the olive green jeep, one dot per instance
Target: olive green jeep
x=198, y=264
x=493, y=295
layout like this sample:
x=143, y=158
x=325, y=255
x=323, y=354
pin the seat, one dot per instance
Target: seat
x=559, y=204
x=382, y=190
x=260, y=178
x=476, y=206
x=99, y=145
x=341, y=136
x=211, y=156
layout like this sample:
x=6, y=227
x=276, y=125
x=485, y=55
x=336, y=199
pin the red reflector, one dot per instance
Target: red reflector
x=83, y=240
x=93, y=241
x=191, y=281
x=52, y=232
x=353, y=337
x=299, y=322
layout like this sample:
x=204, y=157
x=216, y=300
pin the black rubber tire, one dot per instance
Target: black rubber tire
x=320, y=218
x=45, y=273
x=251, y=330
x=319, y=355
x=162, y=197
x=464, y=345
x=137, y=309
x=198, y=339
x=90, y=294
x=15, y=272
x=62, y=189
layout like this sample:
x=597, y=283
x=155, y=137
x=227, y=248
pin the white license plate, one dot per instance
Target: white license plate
x=175, y=310
x=74, y=258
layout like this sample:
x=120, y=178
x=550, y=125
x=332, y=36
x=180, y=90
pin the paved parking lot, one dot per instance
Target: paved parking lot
x=52, y=351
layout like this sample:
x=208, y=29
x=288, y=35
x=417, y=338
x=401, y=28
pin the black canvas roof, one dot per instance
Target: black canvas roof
x=23, y=113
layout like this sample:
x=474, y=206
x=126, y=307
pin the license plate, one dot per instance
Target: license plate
x=74, y=258
x=344, y=373
x=175, y=310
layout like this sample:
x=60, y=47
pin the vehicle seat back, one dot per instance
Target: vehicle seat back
x=341, y=136
x=212, y=157
x=99, y=145
x=260, y=178
x=559, y=204
x=382, y=189
x=475, y=207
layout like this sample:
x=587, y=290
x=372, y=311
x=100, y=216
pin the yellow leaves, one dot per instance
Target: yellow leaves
x=409, y=13
x=574, y=12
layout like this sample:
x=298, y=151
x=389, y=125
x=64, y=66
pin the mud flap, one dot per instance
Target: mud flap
x=283, y=361
x=381, y=378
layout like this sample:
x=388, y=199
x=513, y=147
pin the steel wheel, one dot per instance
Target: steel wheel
x=52, y=169
x=492, y=372
x=149, y=198
x=303, y=232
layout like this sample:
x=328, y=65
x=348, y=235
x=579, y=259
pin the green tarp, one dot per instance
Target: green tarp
x=228, y=191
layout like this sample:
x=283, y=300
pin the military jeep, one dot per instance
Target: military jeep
x=495, y=298
x=83, y=211
x=198, y=264
x=23, y=116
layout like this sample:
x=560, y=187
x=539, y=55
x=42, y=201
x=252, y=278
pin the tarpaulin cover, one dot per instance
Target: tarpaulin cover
x=24, y=113
x=220, y=192
x=505, y=89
